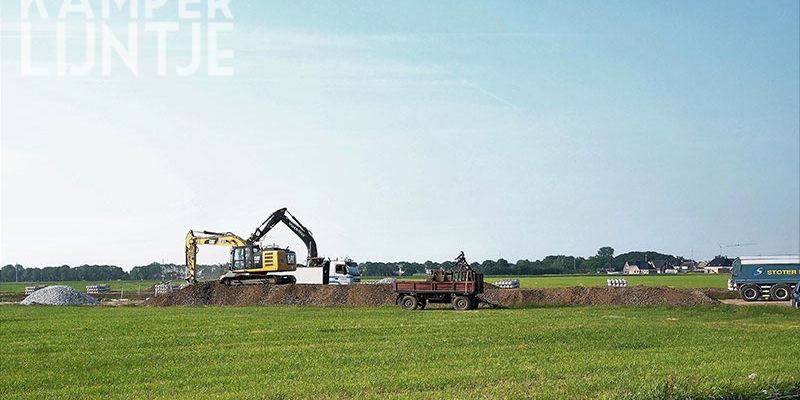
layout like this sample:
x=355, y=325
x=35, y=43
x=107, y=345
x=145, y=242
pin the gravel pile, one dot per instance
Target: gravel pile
x=59, y=296
x=214, y=293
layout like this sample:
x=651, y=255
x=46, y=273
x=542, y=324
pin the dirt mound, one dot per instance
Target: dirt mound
x=720, y=294
x=635, y=295
x=214, y=293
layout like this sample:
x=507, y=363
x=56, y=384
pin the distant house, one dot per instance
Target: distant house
x=639, y=268
x=719, y=265
x=687, y=266
x=662, y=266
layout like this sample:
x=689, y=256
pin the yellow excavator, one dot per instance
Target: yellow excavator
x=250, y=263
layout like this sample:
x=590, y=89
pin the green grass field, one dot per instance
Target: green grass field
x=689, y=281
x=19, y=287
x=305, y=352
x=694, y=281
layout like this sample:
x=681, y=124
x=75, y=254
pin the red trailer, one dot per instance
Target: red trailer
x=463, y=294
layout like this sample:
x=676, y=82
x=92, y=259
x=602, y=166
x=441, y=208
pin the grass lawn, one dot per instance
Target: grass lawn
x=548, y=281
x=19, y=287
x=689, y=281
x=305, y=352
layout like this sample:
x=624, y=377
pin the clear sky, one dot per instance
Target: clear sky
x=414, y=130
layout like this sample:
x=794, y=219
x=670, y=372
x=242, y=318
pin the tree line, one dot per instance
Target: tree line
x=604, y=260
x=555, y=264
x=153, y=271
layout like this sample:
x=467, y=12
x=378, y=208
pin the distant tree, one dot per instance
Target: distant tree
x=7, y=273
x=605, y=252
x=502, y=266
x=605, y=256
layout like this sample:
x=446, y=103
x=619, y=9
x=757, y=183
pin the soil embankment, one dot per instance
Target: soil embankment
x=214, y=293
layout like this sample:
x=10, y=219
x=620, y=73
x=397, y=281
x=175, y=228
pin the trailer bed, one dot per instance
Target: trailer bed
x=466, y=288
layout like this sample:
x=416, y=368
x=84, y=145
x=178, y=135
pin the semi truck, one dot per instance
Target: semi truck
x=765, y=277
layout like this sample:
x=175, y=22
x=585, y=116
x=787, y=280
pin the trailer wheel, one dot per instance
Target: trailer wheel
x=780, y=292
x=408, y=302
x=750, y=292
x=462, y=303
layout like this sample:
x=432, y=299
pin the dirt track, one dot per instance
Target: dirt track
x=740, y=302
x=213, y=293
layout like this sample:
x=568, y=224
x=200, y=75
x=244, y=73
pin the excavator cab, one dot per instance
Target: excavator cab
x=254, y=259
x=251, y=264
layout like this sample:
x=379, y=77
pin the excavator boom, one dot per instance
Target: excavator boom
x=226, y=239
x=283, y=215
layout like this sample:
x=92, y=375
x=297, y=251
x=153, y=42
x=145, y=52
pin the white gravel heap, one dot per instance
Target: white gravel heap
x=59, y=296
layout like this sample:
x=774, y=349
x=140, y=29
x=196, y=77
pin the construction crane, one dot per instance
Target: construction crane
x=250, y=263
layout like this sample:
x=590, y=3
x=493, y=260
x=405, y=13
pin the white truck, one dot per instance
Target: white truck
x=332, y=272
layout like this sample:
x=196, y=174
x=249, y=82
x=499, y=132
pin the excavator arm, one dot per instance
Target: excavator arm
x=206, y=238
x=283, y=215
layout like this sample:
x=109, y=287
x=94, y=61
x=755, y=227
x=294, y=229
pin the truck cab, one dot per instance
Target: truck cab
x=344, y=272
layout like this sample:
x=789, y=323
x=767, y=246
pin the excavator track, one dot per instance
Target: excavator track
x=268, y=280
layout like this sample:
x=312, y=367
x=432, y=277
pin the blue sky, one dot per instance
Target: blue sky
x=415, y=130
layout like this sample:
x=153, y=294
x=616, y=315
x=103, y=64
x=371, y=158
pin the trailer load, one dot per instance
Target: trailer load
x=462, y=287
x=768, y=277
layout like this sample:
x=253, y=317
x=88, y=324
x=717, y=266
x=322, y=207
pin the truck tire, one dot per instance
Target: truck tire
x=780, y=292
x=408, y=302
x=750, y=292
x=462, y=303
